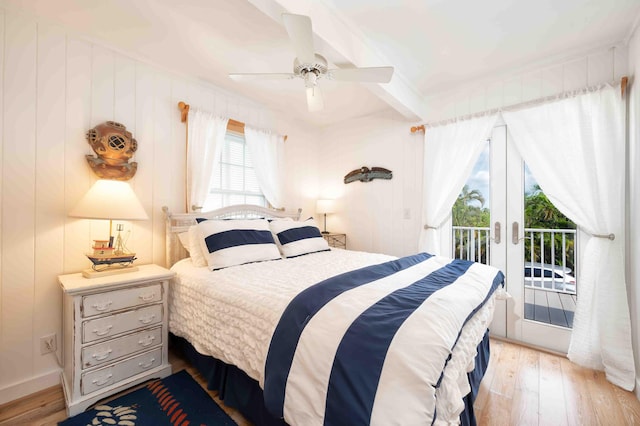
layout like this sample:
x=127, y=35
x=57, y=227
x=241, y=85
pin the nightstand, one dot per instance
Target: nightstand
x=336, y=240
x=115, y=333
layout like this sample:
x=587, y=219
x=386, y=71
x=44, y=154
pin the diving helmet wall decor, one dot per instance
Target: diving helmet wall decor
x=114, y=147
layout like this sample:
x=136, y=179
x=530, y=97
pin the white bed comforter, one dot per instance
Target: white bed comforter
x=231, y=313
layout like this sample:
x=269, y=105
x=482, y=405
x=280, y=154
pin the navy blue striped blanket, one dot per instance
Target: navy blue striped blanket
x=385, y=344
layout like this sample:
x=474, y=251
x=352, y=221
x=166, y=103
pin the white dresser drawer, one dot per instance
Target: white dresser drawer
x=102, y=378
x=100, y=328
x=102, y=353
x=109, y=301
x=115, y=333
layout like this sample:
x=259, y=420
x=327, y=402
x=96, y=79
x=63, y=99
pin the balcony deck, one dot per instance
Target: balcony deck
x=549, y=306
x=542, y=305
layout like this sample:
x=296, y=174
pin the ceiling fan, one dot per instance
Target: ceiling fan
x=312, y=67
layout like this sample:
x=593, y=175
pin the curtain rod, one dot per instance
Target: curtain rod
x=623, y=87
x=233, y=125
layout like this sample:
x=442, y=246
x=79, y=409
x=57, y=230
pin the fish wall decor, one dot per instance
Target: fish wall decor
x=365, y=174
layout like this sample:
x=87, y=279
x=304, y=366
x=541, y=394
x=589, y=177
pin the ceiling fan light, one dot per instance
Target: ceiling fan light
x=314, y=99
x=310, y=79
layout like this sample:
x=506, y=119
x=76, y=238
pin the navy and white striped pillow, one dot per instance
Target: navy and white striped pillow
x=235, y=242
x=298, y=238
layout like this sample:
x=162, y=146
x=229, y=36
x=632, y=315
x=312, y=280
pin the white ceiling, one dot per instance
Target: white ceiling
x=432, y=44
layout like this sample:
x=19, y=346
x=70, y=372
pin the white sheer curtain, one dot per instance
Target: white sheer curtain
x=575, y=148
x=450, y=152
x=204, y=141
x=267, y=152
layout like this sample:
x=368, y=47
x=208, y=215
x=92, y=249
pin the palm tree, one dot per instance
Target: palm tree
x=469, y=196
x=461, y=206
x=465, y=213
x=540, y=213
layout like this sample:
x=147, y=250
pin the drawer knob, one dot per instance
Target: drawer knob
x=102, y=355
x=147, y=365
x=102, y=381
x=147, y=319
x=104, y=331
x=146, y=341
x=147, y=297
x=102, y=306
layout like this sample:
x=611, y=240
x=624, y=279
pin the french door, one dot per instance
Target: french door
x=539, y=312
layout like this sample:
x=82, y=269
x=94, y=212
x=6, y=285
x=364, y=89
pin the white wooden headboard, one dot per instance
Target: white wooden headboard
x=177, y=223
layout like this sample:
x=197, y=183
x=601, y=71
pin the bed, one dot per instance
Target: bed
x=312, y=335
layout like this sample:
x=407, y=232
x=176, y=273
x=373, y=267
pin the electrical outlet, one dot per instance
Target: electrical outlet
x=48, y=343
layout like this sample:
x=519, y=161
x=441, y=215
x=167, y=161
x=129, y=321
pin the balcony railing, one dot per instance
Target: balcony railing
x=550, y=255
x=472, y=243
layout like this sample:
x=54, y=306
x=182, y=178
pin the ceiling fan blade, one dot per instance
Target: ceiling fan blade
x=314, y=99
x=299, y=30
x=364, y=75
x=261, y=76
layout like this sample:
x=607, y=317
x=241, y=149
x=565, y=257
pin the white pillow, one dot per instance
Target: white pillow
x=190, y=242
x=235, y=242
x=195, y=251
x=298, y=238
x=184, y=240
x=275, y=219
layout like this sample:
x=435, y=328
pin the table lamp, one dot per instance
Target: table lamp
x=324, y=207
x=110, y=200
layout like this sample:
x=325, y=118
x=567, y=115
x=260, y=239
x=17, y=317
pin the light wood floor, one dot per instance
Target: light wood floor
x=522, y=386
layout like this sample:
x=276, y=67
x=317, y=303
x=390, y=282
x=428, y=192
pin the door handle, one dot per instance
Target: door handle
x=514, y=233
x=496, y=232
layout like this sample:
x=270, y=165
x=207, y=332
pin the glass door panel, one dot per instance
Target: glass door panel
x=502, y=218
x=549, y=285
x=540, y=245
x=471, y=214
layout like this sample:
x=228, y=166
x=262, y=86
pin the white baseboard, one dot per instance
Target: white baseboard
x=18, y=390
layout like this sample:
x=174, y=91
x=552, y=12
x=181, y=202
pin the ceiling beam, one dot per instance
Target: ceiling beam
x=353, y=46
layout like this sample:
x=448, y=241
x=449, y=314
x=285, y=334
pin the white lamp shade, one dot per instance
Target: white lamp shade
x=325, y=206
x=109, y=199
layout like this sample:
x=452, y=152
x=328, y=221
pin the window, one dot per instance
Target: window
x=234, y=179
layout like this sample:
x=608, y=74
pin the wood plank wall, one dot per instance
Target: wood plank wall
x=600, y=65
x=54, y=87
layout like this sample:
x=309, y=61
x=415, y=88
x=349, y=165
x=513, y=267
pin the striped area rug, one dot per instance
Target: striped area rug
x=175, y=400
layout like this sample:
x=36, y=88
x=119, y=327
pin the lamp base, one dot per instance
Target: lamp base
x=90, y=273
x=325, y=232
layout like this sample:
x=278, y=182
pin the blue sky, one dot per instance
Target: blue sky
x=479, y=178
